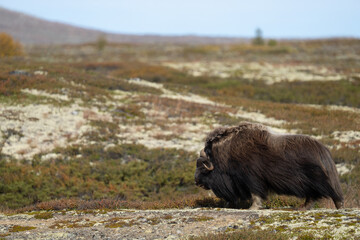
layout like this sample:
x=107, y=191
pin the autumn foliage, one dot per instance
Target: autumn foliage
x=9, y=47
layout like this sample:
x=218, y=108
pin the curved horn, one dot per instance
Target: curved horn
x=202, y=153
x=209, y=168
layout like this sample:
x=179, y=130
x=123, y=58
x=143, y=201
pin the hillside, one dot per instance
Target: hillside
x=32, y=30
x=117, y=130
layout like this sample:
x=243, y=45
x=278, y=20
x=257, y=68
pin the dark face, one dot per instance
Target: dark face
x=203, y=171
x=208, y=178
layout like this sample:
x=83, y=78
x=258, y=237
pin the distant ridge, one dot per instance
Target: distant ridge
x=32, y=30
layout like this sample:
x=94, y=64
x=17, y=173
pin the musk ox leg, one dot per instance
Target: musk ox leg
x=257, y=203
x=309, y=203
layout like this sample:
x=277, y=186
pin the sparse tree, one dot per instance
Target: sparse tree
x=101, y=43
x=8, y=46
x=258, y=40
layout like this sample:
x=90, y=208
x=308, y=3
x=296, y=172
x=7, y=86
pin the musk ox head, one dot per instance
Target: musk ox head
x=203, y=171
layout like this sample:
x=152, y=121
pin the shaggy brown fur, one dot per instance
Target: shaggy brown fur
x=249, y=161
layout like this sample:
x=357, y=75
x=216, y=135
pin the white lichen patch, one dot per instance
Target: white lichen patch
x=145, y=83
x=333, y=107
x=350, y=139
x=33, y=129
x=343, y=168
x=258, y=117
x=187, y=136
x=190, y=98
x=50, y=156
x=344, y=108
x=267, y=72
x=171, y=94
x=120, y=95
x=346, y=136
x=196, y=69
x=316, y=223
x=41, y=73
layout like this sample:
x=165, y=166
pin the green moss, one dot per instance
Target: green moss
x=266, y=219
x=336, y=215
x=327, y=236
x=18, y=228
x=78, y=225
x=353, y=223
x=282, y=228
x=116, y=225
x=306, y=236
x=287, y=217
x=119, y=223
x=229, y=229
x=168, y=217
x=319, y=216
x=202, y=218
x=44, y=215
x=87, y=211
x=72, y=224
x=153, y=221
x=93, y=211
x=115, y=219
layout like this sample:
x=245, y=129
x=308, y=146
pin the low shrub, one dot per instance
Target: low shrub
x=9, y=47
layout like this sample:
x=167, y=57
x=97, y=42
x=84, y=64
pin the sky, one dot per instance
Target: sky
x=229, y=18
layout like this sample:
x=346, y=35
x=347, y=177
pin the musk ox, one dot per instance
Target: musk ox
x=249, y=162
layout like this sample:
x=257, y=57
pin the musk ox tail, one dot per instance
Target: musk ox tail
x=330, y=170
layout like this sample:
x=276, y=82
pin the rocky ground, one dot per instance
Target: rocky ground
x=177, y=223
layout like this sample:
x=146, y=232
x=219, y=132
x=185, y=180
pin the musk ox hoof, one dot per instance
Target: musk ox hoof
x=309, y=203
x=257, y=203
x=339, y=204
x=254, y=207
x=302, y=208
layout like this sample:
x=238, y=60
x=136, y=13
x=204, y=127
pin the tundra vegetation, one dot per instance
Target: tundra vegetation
x=142, y=113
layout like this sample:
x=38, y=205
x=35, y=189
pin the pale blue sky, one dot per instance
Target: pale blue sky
x=277, y=18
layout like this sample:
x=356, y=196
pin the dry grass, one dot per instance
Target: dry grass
x=310, y=120
x=177, y=108
x=192, y=201
x=352, y=196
